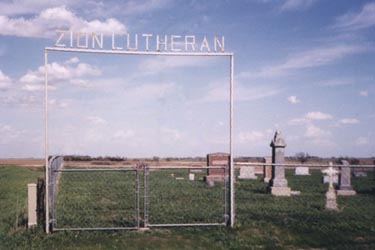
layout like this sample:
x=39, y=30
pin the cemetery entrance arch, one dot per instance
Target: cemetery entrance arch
x=148, y=53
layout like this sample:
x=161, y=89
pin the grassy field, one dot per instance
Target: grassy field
x=263, y=221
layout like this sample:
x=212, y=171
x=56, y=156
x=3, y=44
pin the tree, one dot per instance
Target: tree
x=302, y=156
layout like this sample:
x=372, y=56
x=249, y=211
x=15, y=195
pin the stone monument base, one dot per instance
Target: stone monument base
x=215, y=178
x=346, y=192
x=266, y=180
x=247, y=173
x=281, y=191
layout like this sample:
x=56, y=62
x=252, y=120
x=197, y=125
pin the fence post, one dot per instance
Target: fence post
x=267, y=169
x=41, y=192
x=31, y=205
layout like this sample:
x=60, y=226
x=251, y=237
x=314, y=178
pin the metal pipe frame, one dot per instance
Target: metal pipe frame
x=154, y=53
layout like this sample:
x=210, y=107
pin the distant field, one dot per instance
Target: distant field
x=262, y=221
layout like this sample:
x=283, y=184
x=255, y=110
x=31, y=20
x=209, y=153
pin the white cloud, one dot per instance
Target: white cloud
x=72, y=60
x=123, y=134
x=158, y=64
x=254, y=137
x=49, y=20
x=151, y=91
x=250, y=137
x=365, y=18
x=219, y=91
x=323, y=142
x=292, y=5
x=8, y=133
x=363, y=93
x=16, y=7
x=72, y=70
x=335, y=82
x=142, y=6
x=57, y=103
x=5, y=81
x=309, y=118
x=348, y=121
x=298, y=121
x=96, y=120
x=170, y=134
x=361, y=141
x=90, y=7
x=318, y=116
x=293, y=99
x=307, y=59
x=314, y=131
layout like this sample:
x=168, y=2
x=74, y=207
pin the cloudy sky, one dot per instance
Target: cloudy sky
x=305, y=67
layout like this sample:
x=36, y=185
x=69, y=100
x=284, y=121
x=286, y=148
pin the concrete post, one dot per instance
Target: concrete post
x=279, y=184
x=31, y=205
x=267, y=169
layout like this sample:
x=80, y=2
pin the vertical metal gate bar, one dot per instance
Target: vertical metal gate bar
x=225, y=197
x=145, y=184
x=231, y=165
x=137, y=196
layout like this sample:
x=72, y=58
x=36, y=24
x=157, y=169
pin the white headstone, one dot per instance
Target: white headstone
x=302, y=171
x=331, y=203
x=191, y=177
x=247, y=173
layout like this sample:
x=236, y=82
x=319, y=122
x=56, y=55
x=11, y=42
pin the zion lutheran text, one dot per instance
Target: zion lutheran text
x=135, y=42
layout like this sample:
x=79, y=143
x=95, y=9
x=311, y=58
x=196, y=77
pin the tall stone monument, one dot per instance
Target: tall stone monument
x=278, y=184
x=345, y=186
x=220, y=160
x=331, y=203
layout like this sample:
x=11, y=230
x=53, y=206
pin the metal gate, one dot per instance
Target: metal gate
x=93, y=198
x=180, y=196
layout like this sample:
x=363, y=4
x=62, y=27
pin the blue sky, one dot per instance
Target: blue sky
x=305, y=67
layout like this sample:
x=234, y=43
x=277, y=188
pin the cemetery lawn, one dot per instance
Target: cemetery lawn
x=262, y=222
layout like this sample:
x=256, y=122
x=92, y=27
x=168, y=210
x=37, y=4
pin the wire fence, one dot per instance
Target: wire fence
x=97, y=199
x=108, y=198
x=180, y=196
x=146, y=196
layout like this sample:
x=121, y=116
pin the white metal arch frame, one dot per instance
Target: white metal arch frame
x=163, y=53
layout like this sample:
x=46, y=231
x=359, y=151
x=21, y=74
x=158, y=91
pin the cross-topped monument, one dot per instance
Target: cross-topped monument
x=331, y=203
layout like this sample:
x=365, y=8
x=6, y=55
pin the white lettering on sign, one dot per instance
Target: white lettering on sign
x=220, y=162
x=135, y=42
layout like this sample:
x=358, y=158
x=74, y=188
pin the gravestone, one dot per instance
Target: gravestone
x=345, y=186
x=191, y=177
x=331, y=203
x=218, y=160
x=335, y=179
x=267, y=169
x=279, y=184
x=302, y=171
x=247, y=173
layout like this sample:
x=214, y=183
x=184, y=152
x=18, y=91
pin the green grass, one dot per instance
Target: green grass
x=262, y=221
